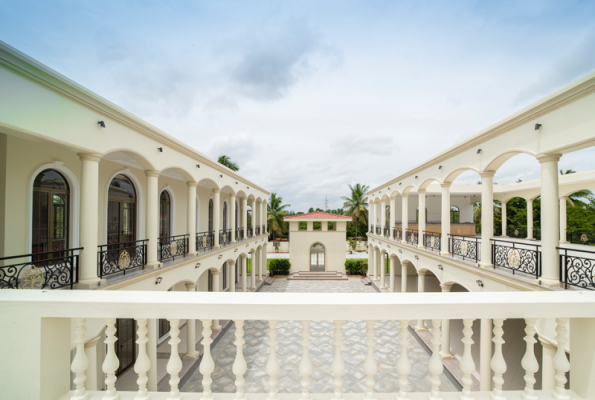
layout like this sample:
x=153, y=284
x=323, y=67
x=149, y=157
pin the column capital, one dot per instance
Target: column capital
x=404, y=195
x=192, y=184
x=152, y=174
x=487, y=174
x=563, y=198
x=231, y=262
x=421, y=191
x=214, y=272
x=232, y=195
x=90, y=157
x=548, y=157
x=216, y=190
x=445, y=185
x=446, y=287
x=421, y=272
x=190, y=286
x=243, y=256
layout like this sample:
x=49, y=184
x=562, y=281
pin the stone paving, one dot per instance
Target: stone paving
x=289, y=352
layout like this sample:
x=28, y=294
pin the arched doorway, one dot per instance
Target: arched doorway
x=210, y=215
x=51, y=198
x=164, y=215
x=121, y=210
x=317, y=258
x=224, y=216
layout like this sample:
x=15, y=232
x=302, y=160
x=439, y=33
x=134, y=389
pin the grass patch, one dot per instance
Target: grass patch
x=249, y=264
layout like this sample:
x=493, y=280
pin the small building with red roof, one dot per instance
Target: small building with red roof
x=317, y=242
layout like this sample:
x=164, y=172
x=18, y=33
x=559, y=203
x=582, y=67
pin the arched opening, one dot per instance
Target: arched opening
x=455, y=215
x=417, y=215
x=164, y=215
x=121, y=210
x=51, y=200
x=210, y=215
x=224, y=225
x=317, y=258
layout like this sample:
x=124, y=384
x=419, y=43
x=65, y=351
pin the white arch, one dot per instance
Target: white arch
x=140, y=202
x=75, y=203
x=172, y=207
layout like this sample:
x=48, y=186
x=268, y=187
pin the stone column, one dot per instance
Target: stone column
x=422, y=217
x=152, y=219
x=232, y=275
x=88, y=220
x=563, y=235
x=264, y=259
x=152, y=335
x=485, y=354
x=244, y=273
x=548, y=372
x=216, y=288
x=404, y=214
x=504, y=220
x=487, y=218
x=253, y=217
x=392, y=274
x=191, y=352
x=421, y=286
x=550, y=221
x=264, y=217
x=383, y=215
x=377, y=257
x=216, y=216
x=383, y=270
x=232, y=216
x=370, y=217
x=253, y=270
x=371, y=264
x=191, y=217
x=403, y=278
x=393, y=210
x=445, y=218
x=529, y=219
x=445, y=352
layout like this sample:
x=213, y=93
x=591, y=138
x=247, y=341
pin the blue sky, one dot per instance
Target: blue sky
x=308, y=97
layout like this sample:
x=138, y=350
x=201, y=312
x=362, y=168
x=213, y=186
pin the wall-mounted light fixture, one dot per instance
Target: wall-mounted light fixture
x=158, y=280
x=197, y=165
x=400, y=183
x=479, y=283
x=197, y=265
x=247, y=187
x=220, y=255
x=400, y=251
x=440, y=267
x=416, y=257
x=440, y=167
x=236, y=183
x=246, y=245
x=415, y=176
x=160, y=149
x=537, y=126
x=221, y=176
x=388, y=188
x=388, y=246
x=478, y=151
x=101, y=124
x=236, y=250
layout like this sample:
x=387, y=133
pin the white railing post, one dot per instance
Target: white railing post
x=174, y=365
x=561, y=363
x=239, y=365
x=305, y=364
x=273, y=362
x=370, y=366
x=142, y=364
x=467, y=365
x=338, y=366
x=80, y=363
x=529, y=361
x=498, y=364
x=403, y=365
x=111, y=362
x=435, y=366
x=206, y=364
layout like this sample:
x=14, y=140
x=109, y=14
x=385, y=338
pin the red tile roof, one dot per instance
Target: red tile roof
x=318, y=215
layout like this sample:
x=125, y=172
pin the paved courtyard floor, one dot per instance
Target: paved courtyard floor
x=289, y=352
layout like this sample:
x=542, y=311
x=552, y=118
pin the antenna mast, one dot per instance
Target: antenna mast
x=325, y=203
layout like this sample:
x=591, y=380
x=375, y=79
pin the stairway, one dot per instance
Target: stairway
x=317, y=276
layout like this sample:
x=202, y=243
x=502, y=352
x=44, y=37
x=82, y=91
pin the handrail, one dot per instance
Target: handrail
x=124, y=243
x=577, y=271
x=467, y=247
x=113, y=258
x=517, y=258
x=39, y=254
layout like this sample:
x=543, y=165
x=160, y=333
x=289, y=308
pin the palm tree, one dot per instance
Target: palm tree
x=275, y=214
x=576, y=196
x=356, y=206
x=228, y=163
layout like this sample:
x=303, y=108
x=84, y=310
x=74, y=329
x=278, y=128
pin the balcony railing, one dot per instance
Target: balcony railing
x=224, y=237
x=378, y=230
x=386, y=232
x=171, y=247
x=517, y=256
x=577, y=268
x=119, y=257
x=411, y=236
x=397, y=233
x=371, y=229
x=239, y=234
x=467, y=247
x=518, y=232
x=250, y=231
x=49, y=270
x=28, y=308
x=581, y=237
x=257, y=230
x=432, y=240
x=205, y=241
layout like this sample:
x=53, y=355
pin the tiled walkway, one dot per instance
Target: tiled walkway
x=289, y=352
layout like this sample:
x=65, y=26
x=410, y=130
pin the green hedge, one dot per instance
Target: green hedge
x=356, y=266
x=280, y=266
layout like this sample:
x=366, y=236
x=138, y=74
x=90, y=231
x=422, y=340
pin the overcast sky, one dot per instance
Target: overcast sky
x=309, y=97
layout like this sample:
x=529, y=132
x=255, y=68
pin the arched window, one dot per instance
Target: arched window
x=317, y=258
x=455, y=215
x=51, y=199
x=417, y=215
x=121, y=210
x=164, y=215
x=224, y=216
x=211, y=215
x=237, y=217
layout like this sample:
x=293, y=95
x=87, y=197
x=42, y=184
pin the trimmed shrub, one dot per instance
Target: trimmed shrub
x=357, y=266
x=280, y=266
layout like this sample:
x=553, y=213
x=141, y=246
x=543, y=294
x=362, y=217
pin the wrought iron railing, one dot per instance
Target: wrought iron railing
x=224, y=237
x=371, y=229
x=517, y=256
x=171, y=247
x=411, y=236
x=239, y=234
x=386, y=232
x=467, y=247
x=576, y=269
x=49, y=270
x=519, y=232
x=397, y=233
x=432, y=240
x=581, y=237
x=378, y=230
x=205, y=241
x=537, y=233
x=250, y=231
x=257, y=230
x=119, y=257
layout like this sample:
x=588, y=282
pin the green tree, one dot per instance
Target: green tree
x=225, y=160
x=275, y=213
x=356, y=206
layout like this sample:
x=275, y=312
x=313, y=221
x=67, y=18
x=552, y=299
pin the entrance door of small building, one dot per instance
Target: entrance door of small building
x=317, y=258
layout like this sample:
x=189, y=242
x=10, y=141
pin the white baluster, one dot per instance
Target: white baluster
x=370, y=366
x=435, y=366
x=338, y=366
x=174, y=365
x=273, y=363
x=80, y=363
x=305, y=364
x=529, y=361
x=561, y=363
x=403, y=365
x=498, y=364
x=206, y=365
x=142, y=364
x=467, y=365
x=111, y=362
x=239, y=364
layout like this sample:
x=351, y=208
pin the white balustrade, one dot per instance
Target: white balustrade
x=498, y=364
x=561, y=363
x=338, y=366
x=273, y=363
x=80, y=363
x=239, y=364
x=142, y=364
x=111, y=362
x=435, y=366
x=207, y=365
x=467, y=365
x=174, y=365
x=403, y=365
x=370, y=366
x=529, y=361
x=305, y=364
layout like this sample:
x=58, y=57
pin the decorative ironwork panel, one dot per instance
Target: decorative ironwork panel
x=432, y=240
x=508, y=255
x=397, y=233
x=577, y=269
x=411, y=236
x=204, y=241
x=49, y=270
x=173, y=246
x=465, y=247
x=371, y=228
x=378, y=230
x=582, y=237
x=516, y=232
x=224, y=237
x=250, y=232
x=120, y=257
x=257, y=230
